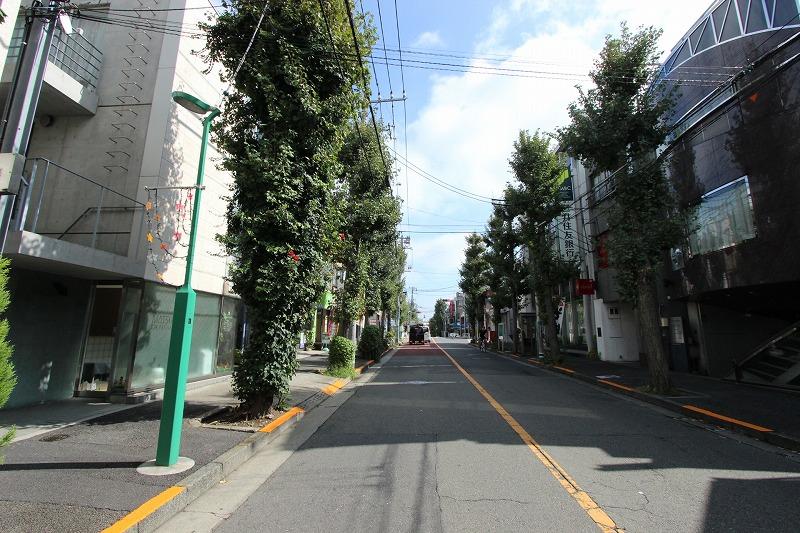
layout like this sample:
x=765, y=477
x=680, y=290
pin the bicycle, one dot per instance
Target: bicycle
x=482, y=345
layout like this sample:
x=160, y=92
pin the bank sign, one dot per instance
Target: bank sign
x=566, y=230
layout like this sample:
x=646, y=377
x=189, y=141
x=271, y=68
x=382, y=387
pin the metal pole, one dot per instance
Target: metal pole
x=180, y=343
x=25, y=97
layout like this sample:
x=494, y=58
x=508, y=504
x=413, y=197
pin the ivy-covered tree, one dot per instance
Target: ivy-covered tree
x=535, y=198
x=617, y=128
x=368, y=215
x=283, y=126
x=473, y=277
x=8, y=378
x=504, y=240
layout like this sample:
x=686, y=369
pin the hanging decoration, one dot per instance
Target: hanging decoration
x=168, y=224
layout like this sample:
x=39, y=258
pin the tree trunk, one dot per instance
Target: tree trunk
x=657, y=362
x=496, y=311
x=554, y=351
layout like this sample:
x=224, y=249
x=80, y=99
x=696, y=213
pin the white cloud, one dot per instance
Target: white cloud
x=428, y=39
x=465, y=131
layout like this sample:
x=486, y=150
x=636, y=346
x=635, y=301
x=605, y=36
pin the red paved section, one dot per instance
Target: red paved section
x=418, y=350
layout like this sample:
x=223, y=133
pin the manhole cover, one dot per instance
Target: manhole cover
x=54, y=438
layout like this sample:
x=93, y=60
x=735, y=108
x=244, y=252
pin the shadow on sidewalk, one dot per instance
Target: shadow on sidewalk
x=70, y=466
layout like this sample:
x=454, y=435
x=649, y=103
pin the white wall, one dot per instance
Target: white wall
x=620, y=334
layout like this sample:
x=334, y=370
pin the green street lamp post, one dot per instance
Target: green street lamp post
x=180, y=342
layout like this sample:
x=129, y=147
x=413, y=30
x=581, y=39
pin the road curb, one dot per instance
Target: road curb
x=212, y=473
x=751, y=430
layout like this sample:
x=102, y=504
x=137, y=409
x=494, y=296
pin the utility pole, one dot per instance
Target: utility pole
x=23, y=99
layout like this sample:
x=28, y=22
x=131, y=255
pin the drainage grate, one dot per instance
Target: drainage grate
x=54, y=438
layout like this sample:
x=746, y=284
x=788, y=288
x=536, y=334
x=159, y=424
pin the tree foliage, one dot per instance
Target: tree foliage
x=281, y=132
x=367, y=216
x=473, y=276
x=617, y=128
x=535, y=199
x=439, y=319
x=508, y=273
x=8, y=378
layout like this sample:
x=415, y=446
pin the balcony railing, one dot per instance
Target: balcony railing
x=56, y=202
x=74, y=53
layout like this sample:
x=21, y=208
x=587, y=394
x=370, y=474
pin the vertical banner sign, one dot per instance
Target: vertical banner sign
x=566, y=229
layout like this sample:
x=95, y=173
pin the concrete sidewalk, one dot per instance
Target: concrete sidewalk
x=773, y=413
x=82, y=476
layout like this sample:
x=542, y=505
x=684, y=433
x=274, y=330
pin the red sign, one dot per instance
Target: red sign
x=584, y=287
x=602, y=250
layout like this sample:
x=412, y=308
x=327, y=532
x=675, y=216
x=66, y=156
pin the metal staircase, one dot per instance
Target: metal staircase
x=775, y=362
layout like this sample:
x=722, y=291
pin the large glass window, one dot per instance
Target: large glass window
x=723, y=218
x=204, y=335
x=230, y=333
x=152, y=343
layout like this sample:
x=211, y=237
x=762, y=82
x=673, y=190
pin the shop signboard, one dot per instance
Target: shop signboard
x=584, y=287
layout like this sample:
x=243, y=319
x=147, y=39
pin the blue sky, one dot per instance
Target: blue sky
x=460, y=126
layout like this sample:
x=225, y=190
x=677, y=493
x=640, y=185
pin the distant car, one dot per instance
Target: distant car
x=416, y=335
x=453, y=335
x=426, y=335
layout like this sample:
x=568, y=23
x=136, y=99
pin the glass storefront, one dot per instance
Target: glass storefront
x=152, y=342
x=216, y=336
x=230, y=333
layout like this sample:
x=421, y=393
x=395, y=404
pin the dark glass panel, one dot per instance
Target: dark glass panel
x=682, y=55
x=731, y=28
x=706, y=40
x=743, y=9
x=719, y=17
x=785, y=13
x=695, y=36
x=755, y=18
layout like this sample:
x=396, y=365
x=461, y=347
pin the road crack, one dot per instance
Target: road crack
x=479, y=500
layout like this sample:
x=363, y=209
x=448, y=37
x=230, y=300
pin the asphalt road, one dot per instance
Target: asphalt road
x=421, y=447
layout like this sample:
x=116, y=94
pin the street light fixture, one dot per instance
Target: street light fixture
x=180, y=342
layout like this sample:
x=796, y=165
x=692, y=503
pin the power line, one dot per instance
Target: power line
x=405, y=109
x=441, y=183
x=366, y=89
x=388, y=74
x=357, y=121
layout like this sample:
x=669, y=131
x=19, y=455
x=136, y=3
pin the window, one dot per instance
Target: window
x=694, y=38
x=756, y=20
x=706, y=39
x=723, y=218
x=784, y=12
x=719, y=17
x=731, y=27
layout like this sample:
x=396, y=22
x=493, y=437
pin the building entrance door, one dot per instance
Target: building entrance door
x=98, y=352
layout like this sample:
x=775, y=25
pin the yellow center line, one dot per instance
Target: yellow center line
x=144, y=510
x=592, y=509
x=285, y=417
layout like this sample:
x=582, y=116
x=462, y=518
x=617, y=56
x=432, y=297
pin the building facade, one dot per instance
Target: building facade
x=95, y=257
x=729, y=297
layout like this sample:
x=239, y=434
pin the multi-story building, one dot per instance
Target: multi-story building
x=729, y=299
x=733, y=158
x=95, y=258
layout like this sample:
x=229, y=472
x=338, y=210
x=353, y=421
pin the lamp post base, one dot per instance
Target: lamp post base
x=150, y=468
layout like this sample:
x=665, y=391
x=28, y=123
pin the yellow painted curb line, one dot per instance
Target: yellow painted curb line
x=728, y=419
x=334, y=387
x=285, y=417
x=592, y=509
x=144, y=510
x=617, y=385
